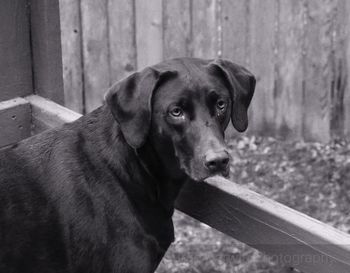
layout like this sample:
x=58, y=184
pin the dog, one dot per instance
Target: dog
x=97, y=195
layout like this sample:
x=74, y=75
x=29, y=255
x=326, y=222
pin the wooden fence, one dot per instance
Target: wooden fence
x=298, y=49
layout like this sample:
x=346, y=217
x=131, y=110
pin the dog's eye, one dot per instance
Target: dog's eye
x=176, y=112
x=221, y=104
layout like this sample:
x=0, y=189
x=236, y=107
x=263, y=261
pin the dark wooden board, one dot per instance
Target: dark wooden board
x=46, y=49
x=15, y=56
x=15, y=121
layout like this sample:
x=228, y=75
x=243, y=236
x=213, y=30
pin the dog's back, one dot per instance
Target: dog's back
x=62, y=208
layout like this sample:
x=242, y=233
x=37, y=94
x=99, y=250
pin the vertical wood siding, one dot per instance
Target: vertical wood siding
x=299, y=51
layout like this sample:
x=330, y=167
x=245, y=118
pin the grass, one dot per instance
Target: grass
x=312, y=178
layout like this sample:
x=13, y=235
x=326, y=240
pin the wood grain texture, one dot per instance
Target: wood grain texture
x=235, y=30
x=267, y=225
x=48, y=114
x=95, y=52
x=289, y=75
x=347, y=71
x=340, y=117
x=262, y=47
x=71, y=54
x=122, y=43
x=46, y=49
x=205, y=33
x=15, y=121
x=15, y=53
x=176, y=28
x=149, y=32
x=318, y=70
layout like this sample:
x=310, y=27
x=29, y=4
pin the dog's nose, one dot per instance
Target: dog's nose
x=217, y=161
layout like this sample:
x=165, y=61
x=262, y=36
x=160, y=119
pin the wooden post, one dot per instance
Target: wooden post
x=71, y=36
x=15, y=55
x=262, y=45
x=318, y=70
x=95, y=52
x=149, y=32
x=176, y=28
x=46, y=49
x=289, y=70
x=205, y=43
x=122, y=39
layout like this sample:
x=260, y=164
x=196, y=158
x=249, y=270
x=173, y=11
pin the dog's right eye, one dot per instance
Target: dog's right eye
x=176, y=112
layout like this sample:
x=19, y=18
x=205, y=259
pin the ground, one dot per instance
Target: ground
x=312, y=178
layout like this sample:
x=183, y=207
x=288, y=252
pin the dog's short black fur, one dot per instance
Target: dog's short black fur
x=97, y=195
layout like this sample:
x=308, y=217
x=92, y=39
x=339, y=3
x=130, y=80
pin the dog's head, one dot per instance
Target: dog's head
x=182, y=108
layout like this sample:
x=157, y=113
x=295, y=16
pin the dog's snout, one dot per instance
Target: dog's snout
x=217, y=162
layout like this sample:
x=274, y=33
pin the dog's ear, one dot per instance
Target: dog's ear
x=241, y=84
x=130, y=102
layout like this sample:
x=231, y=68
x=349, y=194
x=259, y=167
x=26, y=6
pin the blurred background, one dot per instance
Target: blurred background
x=299, y=51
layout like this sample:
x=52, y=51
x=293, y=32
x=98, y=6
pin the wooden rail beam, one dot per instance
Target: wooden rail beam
x=292, y=238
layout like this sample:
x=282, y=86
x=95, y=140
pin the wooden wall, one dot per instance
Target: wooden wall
x=15, y=54
x=298, y=49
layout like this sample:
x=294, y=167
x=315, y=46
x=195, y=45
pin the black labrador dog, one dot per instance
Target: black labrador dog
x=97, y=195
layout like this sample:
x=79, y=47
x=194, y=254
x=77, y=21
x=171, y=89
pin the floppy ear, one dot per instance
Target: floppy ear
x=130, y=102
x=241, y=84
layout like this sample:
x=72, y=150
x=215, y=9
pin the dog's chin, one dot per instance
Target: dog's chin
x=199, y=174
x=202, y=177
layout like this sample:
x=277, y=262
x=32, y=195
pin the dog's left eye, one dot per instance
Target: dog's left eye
x=221, y=104
x=176, y=112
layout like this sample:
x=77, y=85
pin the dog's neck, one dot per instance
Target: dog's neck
x=139, y=172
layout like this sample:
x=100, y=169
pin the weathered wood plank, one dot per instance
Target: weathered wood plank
x=262, y=46
x=289, y=71
x=149, y=32
x=294, y=238
x=15, y=53
x=14, y=121
x=176, y=28
x=205, y=29
x=347, y=71
x=48, y=114
x=46, y=49
x=122, y=43
x=71, y=54
x=235, y=30
x=95, y=51
x=340, y=115
x=318, y=69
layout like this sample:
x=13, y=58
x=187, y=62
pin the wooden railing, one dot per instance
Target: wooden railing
x=293, y=238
